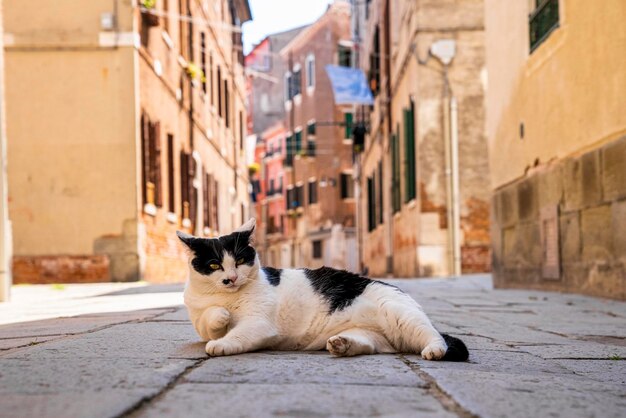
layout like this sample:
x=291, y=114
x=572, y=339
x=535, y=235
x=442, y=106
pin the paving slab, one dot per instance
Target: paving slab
x=522, y=395
x=72, y=325
x=306, y=367
x=607, y=371
x=294, y=400
x=575, y=350
x=12, y=343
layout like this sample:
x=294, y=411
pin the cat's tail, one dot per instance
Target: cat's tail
x=457, y=350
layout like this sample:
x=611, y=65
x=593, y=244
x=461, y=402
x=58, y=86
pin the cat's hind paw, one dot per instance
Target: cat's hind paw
x=434, y=351
x=338, y=345
x=222, y=348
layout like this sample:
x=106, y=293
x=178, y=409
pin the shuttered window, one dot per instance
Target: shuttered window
x=151, y=162
x=346, y=186
x=380, y=202
x=409, y=153
x=312, y=191
x=171, y=206
x=371, y=204
x=395, y=174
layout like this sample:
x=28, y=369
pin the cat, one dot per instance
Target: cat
x=237, y=306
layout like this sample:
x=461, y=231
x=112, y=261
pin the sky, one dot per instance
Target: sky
x=271, y=16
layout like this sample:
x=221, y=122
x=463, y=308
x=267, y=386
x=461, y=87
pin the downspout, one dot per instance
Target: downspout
x=456, y=212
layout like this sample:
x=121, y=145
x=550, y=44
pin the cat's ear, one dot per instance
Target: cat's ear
x=189, y=240
x=247, y=227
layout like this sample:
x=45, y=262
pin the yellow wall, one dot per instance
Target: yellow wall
x=71, y=127
x=570, y=93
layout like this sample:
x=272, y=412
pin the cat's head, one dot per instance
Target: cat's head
x=223, y=264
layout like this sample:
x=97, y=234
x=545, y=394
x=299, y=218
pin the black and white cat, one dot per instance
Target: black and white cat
x=238, y=306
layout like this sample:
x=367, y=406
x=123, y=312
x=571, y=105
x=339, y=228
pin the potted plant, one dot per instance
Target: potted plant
x=147, y=6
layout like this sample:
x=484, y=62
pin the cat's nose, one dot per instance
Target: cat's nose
x=232, y=277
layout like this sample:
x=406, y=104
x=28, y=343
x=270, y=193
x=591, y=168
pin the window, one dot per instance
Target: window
x=310, y=71
x=219, y=92
x=210, y=76
x=226, y=104
x=380, y=202
x=170, y=174
x=290, y=198
x=151, y=162
x=395, y=174
x=310, y=128
x=542, y=21
x=310, y=148
x=288, y=89
x=344, y=56
x=348, y=125
x=312, y=191
x=409, y=153
x=317, y=249
x=296, y=82
x=299, y=195
x=347, y=186
x=270, y=188
x=203, y=60
x=298, y=144
x=371, y=205
x=188, y=191
x=241, y=130
x=374, y=68
x=290, y=151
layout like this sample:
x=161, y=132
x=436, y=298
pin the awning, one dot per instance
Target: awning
x=349, y=85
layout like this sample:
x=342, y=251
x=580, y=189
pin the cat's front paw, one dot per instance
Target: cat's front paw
x=220, y=318
x=434, y=351
x=222, y=348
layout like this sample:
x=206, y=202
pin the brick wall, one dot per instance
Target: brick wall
x=60, y=269
x=165, y=257
x=589, y=193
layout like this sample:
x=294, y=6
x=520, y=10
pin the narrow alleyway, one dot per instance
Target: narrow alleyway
x=532, y=354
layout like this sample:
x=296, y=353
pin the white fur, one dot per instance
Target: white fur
x=251, y=314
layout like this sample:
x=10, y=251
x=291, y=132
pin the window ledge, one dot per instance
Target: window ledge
x=297, y=99
x=167, y=39
x=171, y=217
x=411, y=203
x=186, y=223
x=150, y=209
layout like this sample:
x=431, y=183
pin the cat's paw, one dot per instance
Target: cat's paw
x=222, y=348
x=220, y=318
x=338, y=345
x=434, y=351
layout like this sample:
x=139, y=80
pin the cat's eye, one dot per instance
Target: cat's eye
x=240, y=261
x=215, y=266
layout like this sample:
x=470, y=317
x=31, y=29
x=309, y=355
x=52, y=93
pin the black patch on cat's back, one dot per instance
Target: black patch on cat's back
x=273, y=275
x=338, y=287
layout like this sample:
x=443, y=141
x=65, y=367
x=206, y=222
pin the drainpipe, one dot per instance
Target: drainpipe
x=456, y=211
x=445, y=50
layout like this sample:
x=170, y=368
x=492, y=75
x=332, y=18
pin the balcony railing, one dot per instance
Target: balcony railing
x=542, y=21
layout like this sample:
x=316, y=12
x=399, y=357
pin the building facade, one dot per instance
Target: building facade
x=139, y=132
x=422, y=176
x=557, y=136
x=318, y=183
x=5, y=225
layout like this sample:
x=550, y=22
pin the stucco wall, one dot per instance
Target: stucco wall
x=569, y=93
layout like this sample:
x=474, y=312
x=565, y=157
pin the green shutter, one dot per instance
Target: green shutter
x=290, y=153
x=298, y=142
x=348, y=125
x=395, y=174
x=409, y=157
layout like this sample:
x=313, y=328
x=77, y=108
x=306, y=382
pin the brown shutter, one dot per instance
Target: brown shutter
x=193, y=198
x=184, y=187
x=216, y=210
x=205, y=198
x=158, y=184
x=144, y=158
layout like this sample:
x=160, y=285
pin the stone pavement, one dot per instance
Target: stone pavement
x=532, y=354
